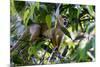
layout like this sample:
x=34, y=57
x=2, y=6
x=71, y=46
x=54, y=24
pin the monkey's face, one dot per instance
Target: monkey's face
x=62, y=21
x=65, y=21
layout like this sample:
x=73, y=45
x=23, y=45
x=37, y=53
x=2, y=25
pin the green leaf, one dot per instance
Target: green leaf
x=91, y=44
x=26, y=17
x=83, y=55
x=48, y=21
x=90, y=10
x=32, y=7
x=90, y=27
x=66, y=32
x=78, y=12
x=32, y=51
x=73, y=12
x=27, y=13
x=44, y=7
x=37, y=5
x=84, y=48
x=12, y=9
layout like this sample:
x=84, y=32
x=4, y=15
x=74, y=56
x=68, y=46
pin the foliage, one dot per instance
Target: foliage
x=79, y=40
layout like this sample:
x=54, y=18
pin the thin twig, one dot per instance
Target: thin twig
x=51, y=54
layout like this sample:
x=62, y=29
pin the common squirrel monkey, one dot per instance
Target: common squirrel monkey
x=56, y=34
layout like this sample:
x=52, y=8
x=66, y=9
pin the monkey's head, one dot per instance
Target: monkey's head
x=62, y=21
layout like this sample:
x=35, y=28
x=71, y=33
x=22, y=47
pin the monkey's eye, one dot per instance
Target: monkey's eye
x=64, y=19
x=65, y=23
